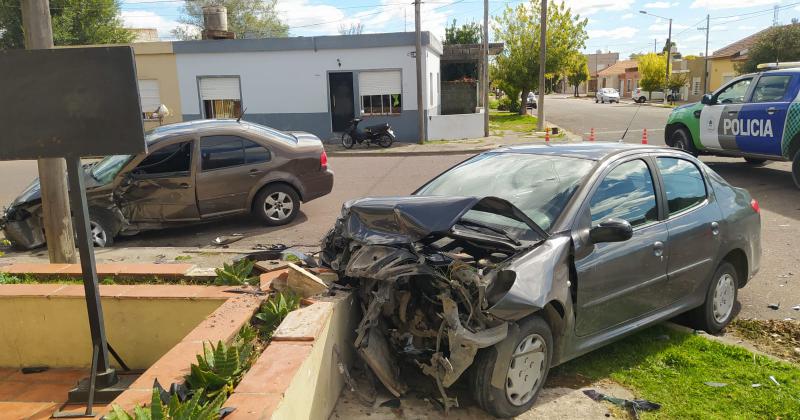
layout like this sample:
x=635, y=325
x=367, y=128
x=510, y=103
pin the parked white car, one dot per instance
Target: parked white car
x=642, y=96
x=606, y=95
x=532, y=101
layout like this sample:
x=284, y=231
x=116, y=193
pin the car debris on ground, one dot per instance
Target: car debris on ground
x=634, y=407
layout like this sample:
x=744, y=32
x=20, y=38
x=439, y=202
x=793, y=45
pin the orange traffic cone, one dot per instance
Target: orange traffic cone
x=591, y=135
x=547, y=135
x=644, y=136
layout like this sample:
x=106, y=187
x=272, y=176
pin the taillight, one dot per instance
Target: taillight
x=755, y=206
x=323, y=161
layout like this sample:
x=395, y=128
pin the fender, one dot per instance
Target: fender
x=278, y=176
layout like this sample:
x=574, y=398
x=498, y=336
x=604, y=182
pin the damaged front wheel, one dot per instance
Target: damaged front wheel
x=507, y=378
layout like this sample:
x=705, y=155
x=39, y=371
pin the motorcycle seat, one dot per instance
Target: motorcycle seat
x=378, y=127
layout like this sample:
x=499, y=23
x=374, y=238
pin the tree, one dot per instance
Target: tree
x=652, y=68
x=777, y=44
x=516, y=68
x=246, y=18
x=578, y=71
x=75, y=22
x=676, y=82
x=352, y=29
x=468, y=33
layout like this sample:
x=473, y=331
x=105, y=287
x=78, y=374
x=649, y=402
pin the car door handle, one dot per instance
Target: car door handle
x=184, y=185
x=772, y=110
x=714, y=228
x=658, y=248
x=254, y=172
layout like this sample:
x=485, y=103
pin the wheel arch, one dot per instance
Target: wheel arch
x=671, y=128
x=271, y=184
x=738, y=259
x=794, y=147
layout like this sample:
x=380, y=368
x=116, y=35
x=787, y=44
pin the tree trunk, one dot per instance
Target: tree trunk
x=523, y=106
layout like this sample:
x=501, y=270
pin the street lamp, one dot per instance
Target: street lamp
x=669, y=48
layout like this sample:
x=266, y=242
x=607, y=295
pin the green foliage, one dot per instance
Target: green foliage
x=467, y=33
x=275, y=309
x=235, y=274
x=221, y=367
x=578, y=71
x=291, y=258
x=183, y=258
x=511, y=121
x=75, y=22
x=494, y=103
x=246, y=18
x=652, y=71
x=107, y=281
x=508, y=103
x=777, y=44
x=516, y=68
x=192, y=409
x=6, y=278
x=677, y=81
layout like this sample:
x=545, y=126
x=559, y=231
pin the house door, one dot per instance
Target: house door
x=340, y=86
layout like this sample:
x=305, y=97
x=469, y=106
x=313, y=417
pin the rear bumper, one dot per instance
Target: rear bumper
x=318, y=185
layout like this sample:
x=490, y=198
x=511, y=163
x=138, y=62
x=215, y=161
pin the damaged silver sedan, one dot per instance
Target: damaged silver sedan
x=520, y=259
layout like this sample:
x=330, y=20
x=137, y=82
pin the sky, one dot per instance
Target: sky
x=614, y=25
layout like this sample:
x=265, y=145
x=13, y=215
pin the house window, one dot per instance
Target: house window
x=150, y=98
x=220, y=97
x=695, y=85
x=629, y=84
x=380, y=92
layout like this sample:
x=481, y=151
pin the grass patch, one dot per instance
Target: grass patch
x=775, y=337
x=6, y=278
x=183, y=258
x=670, y=368
x=509, y=121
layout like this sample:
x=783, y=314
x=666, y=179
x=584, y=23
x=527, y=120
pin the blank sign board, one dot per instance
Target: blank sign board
x=69, y=102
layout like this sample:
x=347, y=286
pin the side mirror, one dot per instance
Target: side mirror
x=127, y=179
x=611, y=230
x=708, y=99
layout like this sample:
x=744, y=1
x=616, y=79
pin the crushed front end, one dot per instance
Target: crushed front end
x=427, y=271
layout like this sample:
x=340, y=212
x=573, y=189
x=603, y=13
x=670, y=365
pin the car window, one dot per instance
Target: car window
x=771, y=88
x=174, y=158
x=734, y=93
x=626, y=193
x=221, y=152
x=683, y=182
x=255, y=153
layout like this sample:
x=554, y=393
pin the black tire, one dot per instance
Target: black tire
x=496, y=401
x=101, y=229
x=755, y=161
x=347, y=141
x=796, y=169
x=273, y=201
x=708, y=317
x=385, y=140
x=595, y=100
x=681, y=139
x=670, y=98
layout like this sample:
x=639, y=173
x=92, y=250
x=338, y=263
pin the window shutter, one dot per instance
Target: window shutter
x=219, y=88
x=379, y=82
x=150, y=95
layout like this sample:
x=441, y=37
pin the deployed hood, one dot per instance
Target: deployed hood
x=394, y=220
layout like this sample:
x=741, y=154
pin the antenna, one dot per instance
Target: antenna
x=775, y=11
x=630, y=122
x=239, y=119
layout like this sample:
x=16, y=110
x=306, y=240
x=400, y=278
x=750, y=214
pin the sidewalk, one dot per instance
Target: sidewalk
x=455, y=147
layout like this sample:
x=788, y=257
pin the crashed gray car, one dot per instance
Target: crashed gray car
x=193, y=172
x=520, y=259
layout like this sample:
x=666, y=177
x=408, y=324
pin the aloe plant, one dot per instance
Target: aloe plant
x=275, y=309
x=235, y=274
x=192, y=409
x=216, y=370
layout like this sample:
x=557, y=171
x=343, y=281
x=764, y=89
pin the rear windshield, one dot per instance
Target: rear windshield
x=272, y=133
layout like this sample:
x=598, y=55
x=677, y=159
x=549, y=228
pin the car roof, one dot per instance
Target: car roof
x=590, y=151
x=169, y=130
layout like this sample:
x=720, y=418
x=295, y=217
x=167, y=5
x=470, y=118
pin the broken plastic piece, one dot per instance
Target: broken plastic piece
x=716, y=384
x=756, y=385
x=796, y=307
x=34, y=369
x=633, y=406
x=774, y=306
x=775, y=381
x=227, y=239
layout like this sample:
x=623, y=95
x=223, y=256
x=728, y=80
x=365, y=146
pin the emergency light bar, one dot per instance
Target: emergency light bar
x=777, y=66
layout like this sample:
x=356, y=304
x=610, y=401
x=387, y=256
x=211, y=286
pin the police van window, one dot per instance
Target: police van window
x=734, y=94
x=683, y=182
x=771, y=88
x=626, y=193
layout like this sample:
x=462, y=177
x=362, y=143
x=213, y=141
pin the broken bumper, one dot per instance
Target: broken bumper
x=22, y=229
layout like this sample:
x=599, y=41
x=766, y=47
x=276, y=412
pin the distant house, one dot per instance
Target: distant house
x=144, y=34
x=617, y=75
x=722, y=64
x=596, y=62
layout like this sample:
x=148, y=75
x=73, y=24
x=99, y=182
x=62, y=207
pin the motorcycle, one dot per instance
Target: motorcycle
x=382, y=134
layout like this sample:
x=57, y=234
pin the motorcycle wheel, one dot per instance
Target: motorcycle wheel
x=385, y=140
x=347, y=141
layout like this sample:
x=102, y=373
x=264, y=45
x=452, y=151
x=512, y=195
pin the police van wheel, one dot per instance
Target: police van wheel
x=680, y=139
x=755, y=161
x=796, y=169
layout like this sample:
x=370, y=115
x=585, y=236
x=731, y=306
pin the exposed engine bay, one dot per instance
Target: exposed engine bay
x=428, y=271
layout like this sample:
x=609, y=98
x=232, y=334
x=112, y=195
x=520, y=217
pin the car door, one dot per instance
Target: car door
x=230, y=166
x=717, y=130
x=161, y=186
x=620, y=281
x=693, y=223
x=762, y=119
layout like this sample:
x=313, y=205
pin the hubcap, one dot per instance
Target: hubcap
x=526, y=369
x=278, y=206
x=99, y=237
x=723, y=298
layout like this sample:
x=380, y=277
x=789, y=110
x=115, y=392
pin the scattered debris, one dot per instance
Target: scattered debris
x=774, y=306
x=756, y=385
x=295, y=256
x=227, y=239
x=34, y=369
x=776, y=337
x=774, y=381
x=796, y=307
x=393, y=403
x=633, y=406
x=716, y=384
x=304, y=282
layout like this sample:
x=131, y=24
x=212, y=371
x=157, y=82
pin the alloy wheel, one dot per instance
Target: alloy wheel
x=99, y=235
x=526, y=369
x=724, y=293
x=278, y=206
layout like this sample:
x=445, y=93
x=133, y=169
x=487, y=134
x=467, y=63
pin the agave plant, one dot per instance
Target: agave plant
x=235, y=274
x=275, y=309
x=216, y=370
x=192, y=409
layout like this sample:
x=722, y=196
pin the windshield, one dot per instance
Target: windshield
x=105, y=170
x=539, y=185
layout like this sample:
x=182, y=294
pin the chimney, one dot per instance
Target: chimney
x=215, y=23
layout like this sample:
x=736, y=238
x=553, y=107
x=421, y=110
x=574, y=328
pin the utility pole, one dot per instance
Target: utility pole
x=705, y=57
x=542, y=58
x=669, y=61
x=655, y=45
x=53, y=183
x=485, y=78
x=420, y=79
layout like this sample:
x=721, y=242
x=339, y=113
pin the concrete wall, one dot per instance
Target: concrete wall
x=455, y=127
x=156, y=60
x=719, y=69
x=54, y=331
x=432, y=91
x=459, y=97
